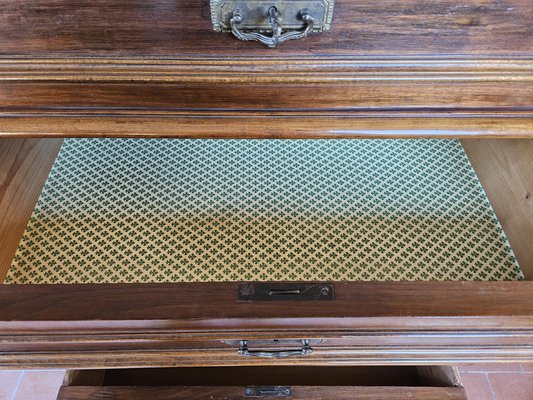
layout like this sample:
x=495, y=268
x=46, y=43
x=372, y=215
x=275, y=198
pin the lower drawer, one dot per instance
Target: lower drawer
x=383, y=383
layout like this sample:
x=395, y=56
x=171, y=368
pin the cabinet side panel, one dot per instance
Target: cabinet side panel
x=24, y=166
x=505, y=168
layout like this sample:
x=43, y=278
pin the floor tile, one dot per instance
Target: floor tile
x=512, y=386
x=495, y=367
x=476, y=386
x=9, y=381
x=527, y=367
x=42, y=385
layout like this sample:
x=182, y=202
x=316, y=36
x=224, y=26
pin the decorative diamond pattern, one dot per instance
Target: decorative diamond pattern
x=145, y=210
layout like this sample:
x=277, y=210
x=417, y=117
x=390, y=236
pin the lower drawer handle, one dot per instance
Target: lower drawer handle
x=304, y=351
x=275, y=21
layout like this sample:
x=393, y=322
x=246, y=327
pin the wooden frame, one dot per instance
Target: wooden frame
x=401, y=68
x=208, y=393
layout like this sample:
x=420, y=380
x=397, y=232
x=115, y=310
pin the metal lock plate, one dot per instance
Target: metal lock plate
x=268, y=391
x=273, y=291
x=256, y=13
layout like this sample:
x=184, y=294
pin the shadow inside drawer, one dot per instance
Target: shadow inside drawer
x=236, y=376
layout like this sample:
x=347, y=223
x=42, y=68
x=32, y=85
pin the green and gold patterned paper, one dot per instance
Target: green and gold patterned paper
x=158, y=210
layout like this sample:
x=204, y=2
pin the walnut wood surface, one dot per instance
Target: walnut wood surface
x=505, y=169
x=196, y=302
x=389, y=68
x=237, y=393
x=263, y=97
x=100, y=326
x=269, y=125
x=183, y=27
x=24, y=167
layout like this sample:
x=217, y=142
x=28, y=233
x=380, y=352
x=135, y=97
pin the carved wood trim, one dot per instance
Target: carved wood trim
x=266, y=69
x=269, y=125
x=267, y=97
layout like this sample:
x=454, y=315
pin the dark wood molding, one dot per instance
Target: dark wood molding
x=269, y=69
x=101, y=326
x=254, y=97
x=268, y=125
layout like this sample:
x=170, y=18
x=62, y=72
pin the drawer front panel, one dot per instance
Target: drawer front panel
x=168, y=27
x=185, y=324
x=342, y=98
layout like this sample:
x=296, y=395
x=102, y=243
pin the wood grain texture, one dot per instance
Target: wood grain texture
x=73, y=68
x=264, y=97
x=369, y=323
x=504, y=97
x=24, y=167
x=167, y=28
x=266, y=69
x=237, y=393
x=505, y=169
x=194, y=302
x=110, y=68
x=93, y=377
x=270, y=125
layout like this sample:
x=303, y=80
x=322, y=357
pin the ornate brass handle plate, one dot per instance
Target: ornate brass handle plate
x=271, y=22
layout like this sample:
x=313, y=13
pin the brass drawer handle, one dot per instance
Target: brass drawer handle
x=275, y=21
x=304, y=351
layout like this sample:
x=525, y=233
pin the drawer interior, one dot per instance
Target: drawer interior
x=338, y=381
x=147, y=210
x=206, y=323
x=268, y=376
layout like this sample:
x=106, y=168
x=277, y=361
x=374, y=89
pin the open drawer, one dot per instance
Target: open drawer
x=220, y=324
x=379, y=383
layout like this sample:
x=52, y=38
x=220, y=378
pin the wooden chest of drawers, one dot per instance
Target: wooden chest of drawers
x=390, y=68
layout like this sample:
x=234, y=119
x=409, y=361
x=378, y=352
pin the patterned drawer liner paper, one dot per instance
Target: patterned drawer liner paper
x=163, y=210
